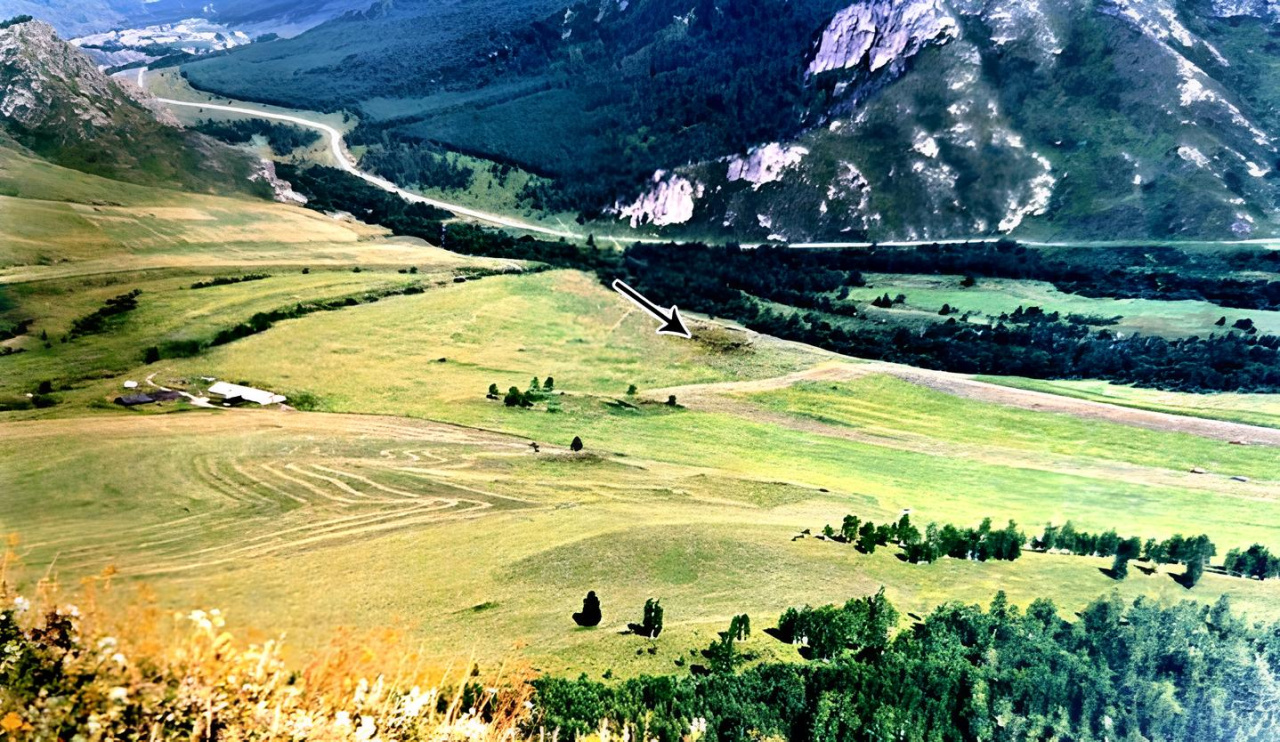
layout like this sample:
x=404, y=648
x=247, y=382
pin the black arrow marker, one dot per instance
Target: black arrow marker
x=671, y=324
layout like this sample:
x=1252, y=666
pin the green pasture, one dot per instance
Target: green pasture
x=991, y=297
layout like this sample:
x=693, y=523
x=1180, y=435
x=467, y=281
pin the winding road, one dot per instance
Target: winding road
x=345, y=161
x=340, y=155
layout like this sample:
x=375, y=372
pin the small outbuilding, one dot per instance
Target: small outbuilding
x=232, y=393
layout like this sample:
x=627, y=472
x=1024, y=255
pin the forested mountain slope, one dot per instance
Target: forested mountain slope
x=923, y=119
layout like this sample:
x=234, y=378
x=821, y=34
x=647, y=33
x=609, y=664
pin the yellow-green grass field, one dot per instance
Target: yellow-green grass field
x=410, y=499
x=1253, y=409
x=991, y=297
x=415, y=501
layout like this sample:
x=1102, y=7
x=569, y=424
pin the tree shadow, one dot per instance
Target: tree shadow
x=1109, y=573
x=1183, y=580
x=1148, y=571
x=776, y=635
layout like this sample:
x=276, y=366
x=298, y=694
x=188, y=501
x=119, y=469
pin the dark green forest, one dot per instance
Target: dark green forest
x=282, y=138
x=1135, y=672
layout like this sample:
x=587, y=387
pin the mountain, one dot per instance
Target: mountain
x=74, y=18
x=769, y=119
x=56, y=103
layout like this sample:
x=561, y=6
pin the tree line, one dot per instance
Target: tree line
x=1138, y=671
x=985, y=542
x=282, y=138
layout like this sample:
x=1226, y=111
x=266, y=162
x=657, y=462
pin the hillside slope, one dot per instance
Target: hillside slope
x=56, y=103
x=924, y=119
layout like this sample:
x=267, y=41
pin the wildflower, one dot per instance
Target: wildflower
x=119, y=694
x=414, y=702
x=13, y=723
x=119, y=659
x=201, y=619
x=21, y=604
x=342, y=720
x=107, y=643
x=367, y=731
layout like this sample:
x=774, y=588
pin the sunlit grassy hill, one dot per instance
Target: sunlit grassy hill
x=409, y=497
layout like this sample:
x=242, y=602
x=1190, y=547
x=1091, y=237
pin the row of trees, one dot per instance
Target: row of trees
x=986, y=543
x=982, y=543
x=1257, y=561
x=229, y=280
x=101, y=317
x=1194, y=551
x=537, y=391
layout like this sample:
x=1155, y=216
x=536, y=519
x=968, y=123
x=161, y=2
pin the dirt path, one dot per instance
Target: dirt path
x=705, y=396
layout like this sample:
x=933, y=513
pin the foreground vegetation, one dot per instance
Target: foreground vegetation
x=1120, y=671
x=82, y=671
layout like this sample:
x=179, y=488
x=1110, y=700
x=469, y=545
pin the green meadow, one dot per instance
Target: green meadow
x=991, y=297
x=395, y=493
x=410, y=499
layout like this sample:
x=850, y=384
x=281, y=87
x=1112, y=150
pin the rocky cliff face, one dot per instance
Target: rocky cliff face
x=1084, y=118
x=48, y=85
x=1254, y=8
x=875, y=35
x=56, y=102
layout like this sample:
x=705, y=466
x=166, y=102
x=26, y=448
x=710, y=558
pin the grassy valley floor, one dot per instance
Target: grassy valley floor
x=395, y=493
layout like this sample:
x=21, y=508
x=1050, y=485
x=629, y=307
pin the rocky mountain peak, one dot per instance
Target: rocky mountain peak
x=49, y=85
x=880, y=34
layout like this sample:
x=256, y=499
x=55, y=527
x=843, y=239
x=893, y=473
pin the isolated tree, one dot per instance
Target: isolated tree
x=576, y=445
x=631, y=390
x=1120, y=566
x=590, y=614
x=650, y=625
x=514, y=398
x=671, y=400
x=723, y=653
x=151, y=355
x=849, y=528
x=867, y=538
x=1197, y=553
x=493, y=391
x=549, y=385
x=45, y=387
x=968, y=282
x=535, y=386
x=946, y=309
